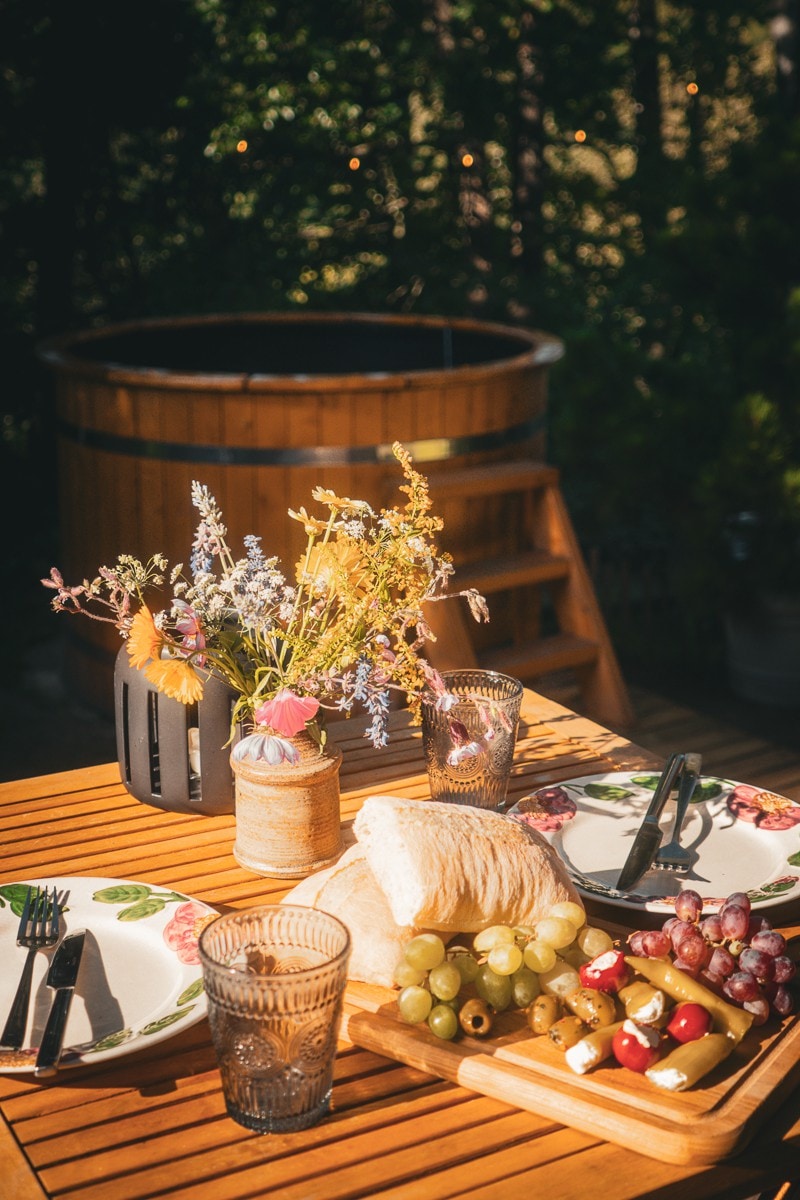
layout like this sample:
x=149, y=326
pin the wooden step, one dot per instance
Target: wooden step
x=493, y=479
x=555, y=653
x=512, y=571
x=548, y=553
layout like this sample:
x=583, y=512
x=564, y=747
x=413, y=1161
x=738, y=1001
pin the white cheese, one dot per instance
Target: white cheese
x=667, y=1078
x=652, y=1011
x=645, y=1034
x=582, y=1057
x=605, y=960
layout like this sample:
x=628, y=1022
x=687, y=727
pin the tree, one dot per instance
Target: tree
x=624, y=175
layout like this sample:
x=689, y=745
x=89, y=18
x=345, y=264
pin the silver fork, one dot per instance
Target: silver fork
x=38, y=928
x=673, y=857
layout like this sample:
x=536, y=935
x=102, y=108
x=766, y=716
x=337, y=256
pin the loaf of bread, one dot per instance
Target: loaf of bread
x=349, y=890
x=457, y=868
x=425, y=866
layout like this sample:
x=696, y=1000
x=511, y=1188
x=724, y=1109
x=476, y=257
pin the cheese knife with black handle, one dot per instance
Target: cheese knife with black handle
x=648, y=839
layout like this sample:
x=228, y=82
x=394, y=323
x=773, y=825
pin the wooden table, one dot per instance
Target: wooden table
x=153, y=1123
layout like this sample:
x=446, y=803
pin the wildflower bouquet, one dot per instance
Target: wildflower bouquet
x=348, y=629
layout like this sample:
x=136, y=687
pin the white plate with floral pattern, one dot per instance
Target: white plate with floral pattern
x=140, y=980
x=742, y=838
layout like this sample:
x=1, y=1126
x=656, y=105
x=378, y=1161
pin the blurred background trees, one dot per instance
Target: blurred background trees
x=625, y=175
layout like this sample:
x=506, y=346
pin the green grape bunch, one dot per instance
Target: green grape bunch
x=460, y=988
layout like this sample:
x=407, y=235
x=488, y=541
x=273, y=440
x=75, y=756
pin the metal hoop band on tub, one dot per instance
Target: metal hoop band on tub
x=422, y=450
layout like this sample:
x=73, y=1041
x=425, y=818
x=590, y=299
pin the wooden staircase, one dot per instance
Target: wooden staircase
x=551, y=631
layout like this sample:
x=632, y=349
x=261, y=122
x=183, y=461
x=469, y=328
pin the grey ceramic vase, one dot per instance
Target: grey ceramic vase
x=153, y=742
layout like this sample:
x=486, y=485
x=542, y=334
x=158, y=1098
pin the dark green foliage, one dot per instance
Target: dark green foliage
x=196, y=156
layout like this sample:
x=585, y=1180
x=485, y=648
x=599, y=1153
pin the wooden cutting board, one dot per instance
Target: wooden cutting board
x=702, y=1125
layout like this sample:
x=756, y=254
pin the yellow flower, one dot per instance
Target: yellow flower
x=358, y=600
x=313, y=525
x=176, y=678
x=326, y=565
x=325, y=496
x=144, y=640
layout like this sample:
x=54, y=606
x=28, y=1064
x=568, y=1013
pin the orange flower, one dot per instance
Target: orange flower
x=176, y=678
x=144, y=640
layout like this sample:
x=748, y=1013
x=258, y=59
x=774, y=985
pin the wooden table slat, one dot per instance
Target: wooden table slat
x=153, y=1123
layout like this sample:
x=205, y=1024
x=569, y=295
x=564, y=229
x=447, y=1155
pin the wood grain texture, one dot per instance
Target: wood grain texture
x=702, y=1125
x=133, y=437
x=153, y=1123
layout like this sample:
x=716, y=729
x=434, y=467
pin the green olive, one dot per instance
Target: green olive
x=567, y=1031
x=593, y=1007
x=543, y=1012
x=475, y=1017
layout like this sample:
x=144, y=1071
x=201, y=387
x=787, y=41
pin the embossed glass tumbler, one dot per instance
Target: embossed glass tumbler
x=468, y=737
x=275, y=978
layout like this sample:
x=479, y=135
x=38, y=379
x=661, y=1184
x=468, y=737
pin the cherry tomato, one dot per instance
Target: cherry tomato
x=636, y=1046
x=689, y=1022
x=608, y=972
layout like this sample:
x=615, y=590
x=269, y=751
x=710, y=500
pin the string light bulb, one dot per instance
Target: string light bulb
x=580, y=135
x=467, y=160
x=355, y=163
x=692, y=89
x=241, y=145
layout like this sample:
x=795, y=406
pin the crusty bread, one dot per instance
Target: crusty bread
x=456, y=868
x=422, y=865
x=348, y=890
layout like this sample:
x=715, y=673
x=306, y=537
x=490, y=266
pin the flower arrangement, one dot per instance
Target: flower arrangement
x=348, y=629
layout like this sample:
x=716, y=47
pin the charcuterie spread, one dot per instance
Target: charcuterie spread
x=468, y=915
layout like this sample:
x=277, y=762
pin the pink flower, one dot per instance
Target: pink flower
x=547, y=809
x=461, y=753
x=183, y=930
x=287, y=712
x=543, y=824
x=489, y=713
x=459, y=732
x=189, y=626
x=765, y=810
x=385, y=648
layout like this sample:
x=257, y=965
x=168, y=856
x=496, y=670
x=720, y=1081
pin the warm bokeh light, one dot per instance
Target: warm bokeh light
x=354, y=163
x=580, y=135
x=241, y=146
x=467, y=160
x=692, y=89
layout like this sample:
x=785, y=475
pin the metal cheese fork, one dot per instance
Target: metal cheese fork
x=673, y=857
x=38, y=928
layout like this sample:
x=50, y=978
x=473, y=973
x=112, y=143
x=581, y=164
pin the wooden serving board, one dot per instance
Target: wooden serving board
x=702, y=1125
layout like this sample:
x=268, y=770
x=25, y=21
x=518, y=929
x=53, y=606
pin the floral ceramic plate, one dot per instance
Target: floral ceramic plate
x=139, y=982
x=742, y=838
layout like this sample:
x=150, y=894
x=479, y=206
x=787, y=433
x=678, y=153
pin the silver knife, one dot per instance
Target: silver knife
x=62, y=976
x=648, y=839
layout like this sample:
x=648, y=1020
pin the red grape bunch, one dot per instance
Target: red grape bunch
x=734, y=952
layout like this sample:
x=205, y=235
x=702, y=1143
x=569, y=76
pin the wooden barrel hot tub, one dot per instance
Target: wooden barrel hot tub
x=262, y=407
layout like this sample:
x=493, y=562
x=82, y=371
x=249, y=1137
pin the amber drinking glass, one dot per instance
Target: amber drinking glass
x=275, y=978
x=469, y=736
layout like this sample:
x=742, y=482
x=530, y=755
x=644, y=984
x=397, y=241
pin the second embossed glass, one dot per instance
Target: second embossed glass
x=468, y=735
